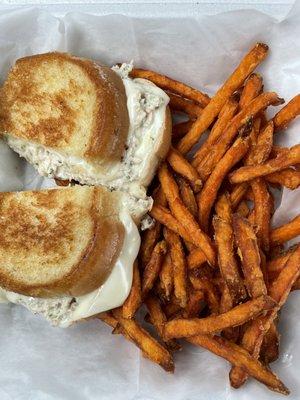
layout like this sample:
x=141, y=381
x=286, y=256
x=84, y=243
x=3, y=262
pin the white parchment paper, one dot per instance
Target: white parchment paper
x=85, y=362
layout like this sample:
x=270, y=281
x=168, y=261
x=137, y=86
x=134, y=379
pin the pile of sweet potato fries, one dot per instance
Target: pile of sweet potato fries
x=211, y=270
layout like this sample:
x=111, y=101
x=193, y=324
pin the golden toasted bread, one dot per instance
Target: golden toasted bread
x=66, y=103
x=59, y=241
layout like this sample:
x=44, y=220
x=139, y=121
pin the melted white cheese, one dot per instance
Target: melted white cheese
x=146, y=104
x=64, y=311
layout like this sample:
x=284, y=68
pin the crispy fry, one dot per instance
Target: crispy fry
x=227, y=262
x=262, y=212
x=199, y=238
x=166, y=276
x=108, y=318
x=134, y=300
x=188, y=197
x=149, y=346
x=179, y=267
x=249, y=253
x=158, y=319
x=153, y=267
x=279, y=163
x=182, y=166
x=172, y=309
x=286, y=232
x=288, y=177
x=164, y=216
x=179, y=328
x=182, y=105
x=223, y=208
x=226, y=304
x=241, y=123
x=270, y=345
x=237, y=356
x=237, y=194
x=172, y=85
x=180, y=129
x=287, y=114
x=245, y=68
x=211, y=295
x=149, y=239
x=243, y=210
x=225, y=116
x=252, y=89
x=278, y=150
x=276, y=265
x=195, y=259
x=253, y=336
x=263, y=146
x=194, y=304
x=209, y=192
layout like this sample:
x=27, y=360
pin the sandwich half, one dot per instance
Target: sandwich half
x=77, y=119
x=66, y=253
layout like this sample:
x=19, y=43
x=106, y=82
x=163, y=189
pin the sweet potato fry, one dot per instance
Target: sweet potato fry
x=210, y=292
x=164, y=216
x=179, y=266
x=270, y=345
x=252, y=89
x=166, y=276
x=180, y=129
x=227, y=262
x=195, y=259
x=286, y=232
x=263, y=146
x=172, y=309
x=199, y=238
x=245, y=68
x=108, y=318
x=209, y=192
x=250, y=256
x=182, y=105
x=253, y=336
x=237, y=356
x=223, y=208
x=172, y=85
x=149, y=239
x=279, y=163
x=158, y=319
x=237, y=194
x=262, y=212
x=287, y=114
x=225, y=116
x=278, y=263
x=243, y=209
x=226, y=304
x=153, y=267
x=149, y=346
x=182, y=166
x=195, y=304
x=188, y=197
x=242, y=124
x=134, y=300
x=179, y=328
x=288, y=178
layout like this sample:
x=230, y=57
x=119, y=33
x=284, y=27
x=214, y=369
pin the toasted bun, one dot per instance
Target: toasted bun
x=69, y=104
x=59, y=242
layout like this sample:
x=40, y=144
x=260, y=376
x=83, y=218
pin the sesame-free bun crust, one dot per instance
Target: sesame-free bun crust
x=60, y=241
x=69, y=104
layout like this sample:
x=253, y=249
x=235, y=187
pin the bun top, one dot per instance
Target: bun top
x=70, y=104
x=59, y=241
